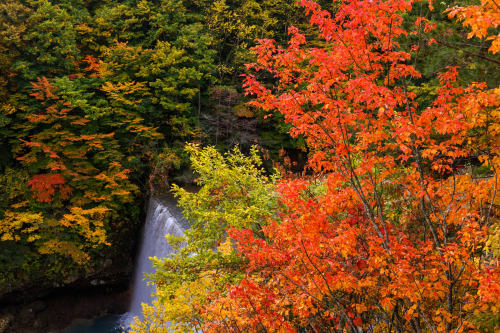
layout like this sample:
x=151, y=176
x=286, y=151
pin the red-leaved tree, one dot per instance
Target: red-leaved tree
x=390, y=235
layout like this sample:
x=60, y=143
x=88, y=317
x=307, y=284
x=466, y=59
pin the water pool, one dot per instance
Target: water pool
x=109, y=324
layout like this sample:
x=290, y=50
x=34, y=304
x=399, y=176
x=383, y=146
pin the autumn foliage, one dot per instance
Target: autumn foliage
x=75, y=182
x=480, y=18
x=392, y=105
x=97, y=100
x=390, y=233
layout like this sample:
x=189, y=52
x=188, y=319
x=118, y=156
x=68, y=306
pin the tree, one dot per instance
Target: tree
x=396, y=241
x=91, y=88
x=480, y=18
x=75, y=182
x=234, y=192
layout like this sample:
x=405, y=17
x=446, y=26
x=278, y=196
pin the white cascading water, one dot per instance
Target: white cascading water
x=162, y=218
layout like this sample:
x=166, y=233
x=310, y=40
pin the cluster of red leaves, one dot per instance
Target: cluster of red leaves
x=46, y=185
x=396, y=241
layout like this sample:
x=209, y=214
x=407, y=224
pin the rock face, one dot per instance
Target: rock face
x=57, y=311
x=50, y=310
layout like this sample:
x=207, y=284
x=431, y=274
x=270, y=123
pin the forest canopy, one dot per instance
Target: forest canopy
x=97, y=100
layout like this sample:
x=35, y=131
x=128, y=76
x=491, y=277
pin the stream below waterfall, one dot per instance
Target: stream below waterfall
x=163, y=218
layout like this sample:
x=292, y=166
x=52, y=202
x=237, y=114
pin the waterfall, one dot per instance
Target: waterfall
x=163, y=217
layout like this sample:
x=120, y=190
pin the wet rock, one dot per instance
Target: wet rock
x=26, y=315
x=107, y=263
x=37, y=306
x=97, y=282
x=71, y=279
x=39, y=324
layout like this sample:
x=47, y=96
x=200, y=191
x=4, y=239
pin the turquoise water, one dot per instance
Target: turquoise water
x=110, y=324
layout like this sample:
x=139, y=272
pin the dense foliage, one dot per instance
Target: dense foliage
x=233, y=192
x=97, y=99
x=396, y=227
